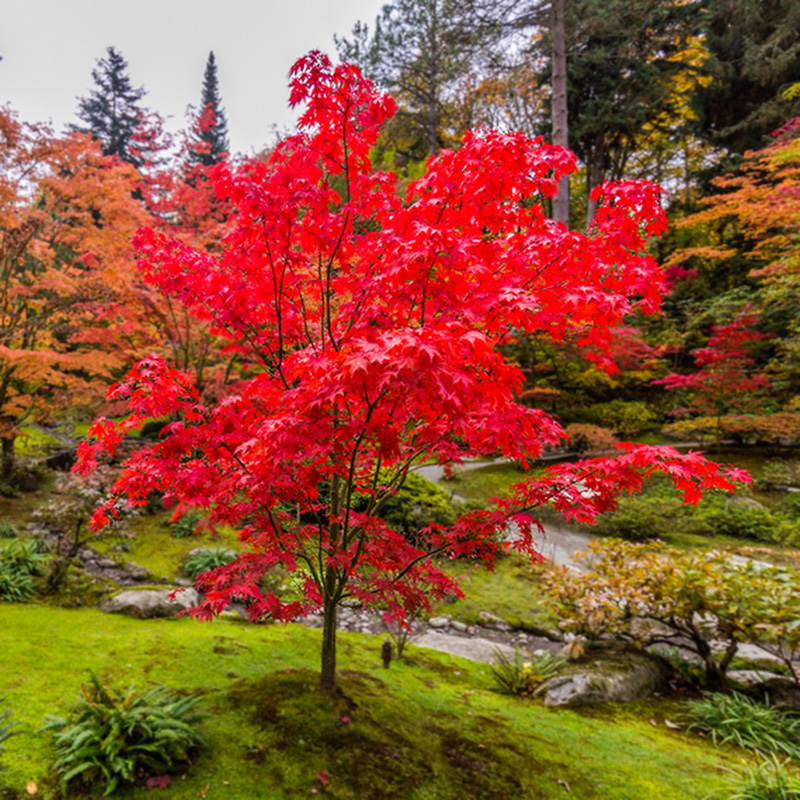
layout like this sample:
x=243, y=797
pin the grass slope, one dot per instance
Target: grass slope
x=429, y=729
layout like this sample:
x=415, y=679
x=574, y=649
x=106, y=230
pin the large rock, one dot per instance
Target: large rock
x=150, y=603
x=610, y=678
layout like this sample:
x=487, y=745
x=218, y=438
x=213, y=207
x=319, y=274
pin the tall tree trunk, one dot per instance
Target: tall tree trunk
x=559, y=114
x=594, y=173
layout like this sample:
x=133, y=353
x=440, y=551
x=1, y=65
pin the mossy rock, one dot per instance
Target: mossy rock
x=606, y=677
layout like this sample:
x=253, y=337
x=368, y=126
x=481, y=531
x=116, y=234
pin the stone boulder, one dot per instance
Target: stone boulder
x=606, y=678
x=151, y=603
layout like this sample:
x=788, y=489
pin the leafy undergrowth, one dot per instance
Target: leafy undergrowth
x=428, y=729
x=509, y=591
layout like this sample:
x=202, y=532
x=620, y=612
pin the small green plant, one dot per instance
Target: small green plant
x=769, y=780
x=20, y=562
x=186, y=525
x=736, y=719
x=117, y=737
x=6, y=729
x=8, y=530
x=522, y=676
x=208, y=559
x=8, y=491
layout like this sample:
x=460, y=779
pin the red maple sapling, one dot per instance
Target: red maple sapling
x=376, y=321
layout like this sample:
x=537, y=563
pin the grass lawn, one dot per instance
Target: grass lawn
x=427, y=729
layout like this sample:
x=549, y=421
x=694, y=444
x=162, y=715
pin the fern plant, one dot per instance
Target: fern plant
x=116, y=736
x=208, y=559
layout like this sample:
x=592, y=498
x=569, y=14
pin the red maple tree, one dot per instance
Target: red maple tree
x=726, y=380
x=375, y=321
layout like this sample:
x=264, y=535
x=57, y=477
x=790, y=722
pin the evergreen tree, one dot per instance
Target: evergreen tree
x=211, y=145
x=754, y=54
x=421, y=51
x=112, y=111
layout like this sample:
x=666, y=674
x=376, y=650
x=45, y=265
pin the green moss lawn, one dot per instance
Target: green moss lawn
x=429, y=728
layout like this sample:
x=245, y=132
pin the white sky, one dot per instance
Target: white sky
x=50, y=47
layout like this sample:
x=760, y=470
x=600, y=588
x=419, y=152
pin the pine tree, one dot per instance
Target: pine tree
x=112, y=111
x=212, y=126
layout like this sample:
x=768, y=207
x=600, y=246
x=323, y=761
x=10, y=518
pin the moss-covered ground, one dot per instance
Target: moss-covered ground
x=428, y=728
x=510, y=591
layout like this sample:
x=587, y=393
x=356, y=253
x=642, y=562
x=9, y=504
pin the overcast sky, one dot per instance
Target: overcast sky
x=50, y=47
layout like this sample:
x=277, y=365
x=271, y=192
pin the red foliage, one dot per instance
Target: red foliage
x=375, y=322
x=725, y=380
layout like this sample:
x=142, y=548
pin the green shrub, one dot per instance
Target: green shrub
x=736, y=719
x=208, y=559
x=186, y=525
x=20, y=562
x=639, y=519
x=791, y=506
x=417, y=504
x=8, y=491
x=116, y=737
x=522, y=677
x=15, y=587
x=717, y=517
x=769, y=780
x=624, y=417
x=8, y=530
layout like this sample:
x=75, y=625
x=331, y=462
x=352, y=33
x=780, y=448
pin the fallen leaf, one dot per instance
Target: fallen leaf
x=159, y=782
x=653, y=723
x=565, y=785
x=671, y=725
x=324, y=777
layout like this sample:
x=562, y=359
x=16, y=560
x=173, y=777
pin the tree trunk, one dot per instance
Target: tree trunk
x=327, y=678
x=594, y=171
x=559, y=113
x=7, y=458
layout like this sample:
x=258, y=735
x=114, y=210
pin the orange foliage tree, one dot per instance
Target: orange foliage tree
x=67, y=214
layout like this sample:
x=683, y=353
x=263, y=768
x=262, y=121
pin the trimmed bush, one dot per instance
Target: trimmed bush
x=115, y=737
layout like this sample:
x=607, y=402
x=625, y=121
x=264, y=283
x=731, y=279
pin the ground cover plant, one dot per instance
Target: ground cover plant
x=740, y=720
x=113, y=737
x=772, y=779
x=373, y=324
x=430, y=727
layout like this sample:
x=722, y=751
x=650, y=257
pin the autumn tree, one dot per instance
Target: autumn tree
x=66, y=215
x=112, y=111
x=375, y=323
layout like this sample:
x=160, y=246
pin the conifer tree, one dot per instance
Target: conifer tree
x=212, y=126
x=112, y=111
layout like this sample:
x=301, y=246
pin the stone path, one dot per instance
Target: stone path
x=558, y=544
